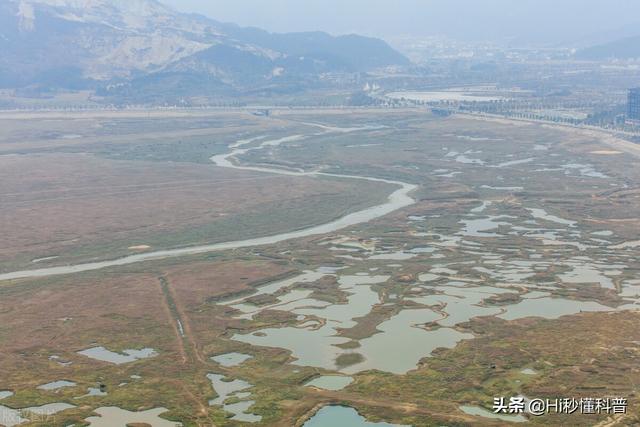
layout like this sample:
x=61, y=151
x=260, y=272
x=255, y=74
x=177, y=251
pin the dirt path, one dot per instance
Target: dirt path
x=183, y=319
x=169, y=306
x=183, y=331
x=203, y=410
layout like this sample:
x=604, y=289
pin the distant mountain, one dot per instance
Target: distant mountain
x=599, y=37
x=129, y=47
x=351, y=51
x=626, y=48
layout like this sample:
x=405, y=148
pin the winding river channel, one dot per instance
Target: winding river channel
x=399, y=199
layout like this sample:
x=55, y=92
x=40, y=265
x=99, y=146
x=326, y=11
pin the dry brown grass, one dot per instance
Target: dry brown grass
x=60, y=202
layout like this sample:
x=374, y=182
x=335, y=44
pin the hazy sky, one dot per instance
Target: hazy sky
x=540, y=20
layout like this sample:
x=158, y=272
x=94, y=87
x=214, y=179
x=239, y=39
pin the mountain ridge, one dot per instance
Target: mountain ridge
x=118, y=44
x=624, y=48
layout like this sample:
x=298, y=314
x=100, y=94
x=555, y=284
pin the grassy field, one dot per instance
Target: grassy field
x=96, y=198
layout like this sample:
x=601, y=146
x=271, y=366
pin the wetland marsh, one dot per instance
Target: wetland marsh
x=446, y=288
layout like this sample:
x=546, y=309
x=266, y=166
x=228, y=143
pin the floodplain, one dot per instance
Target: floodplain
x=511, y=268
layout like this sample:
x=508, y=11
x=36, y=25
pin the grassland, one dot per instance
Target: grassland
x=129, y=183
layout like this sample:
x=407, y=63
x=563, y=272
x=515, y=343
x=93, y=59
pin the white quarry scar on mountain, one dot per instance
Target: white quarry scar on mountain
x=136, y=49
x=148, y=44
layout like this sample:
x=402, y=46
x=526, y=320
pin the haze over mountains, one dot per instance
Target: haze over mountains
x=625, y=48
x=518, y=23
x=138, y=51
x=125, y=47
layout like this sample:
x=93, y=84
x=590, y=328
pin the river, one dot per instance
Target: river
x=399, y=199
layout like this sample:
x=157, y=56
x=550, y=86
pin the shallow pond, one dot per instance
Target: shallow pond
x=227, y=389
x=490, y=187
x=627, y=245
x=481, y=412
x=330, y=382
x=481, y=227
x=341, y=416
x=542, y=214
x=422, y=250
x=12, y=417
x=127, y=356
x=231, y=359
x=515, y=162
x=273, y=287
x=549, y=308
x=93, y=392
x=587, y=271
x=394, y=256
x=461, y=304
x=239, y=411
x=56, y=385
x=469, y=161
x=428, y=277
x=310, y=347
x=112, y=416
x=48, y=409
x=408, y=343
x=317, y=347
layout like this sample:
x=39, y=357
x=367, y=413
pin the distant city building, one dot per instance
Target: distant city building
x=633, y=105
